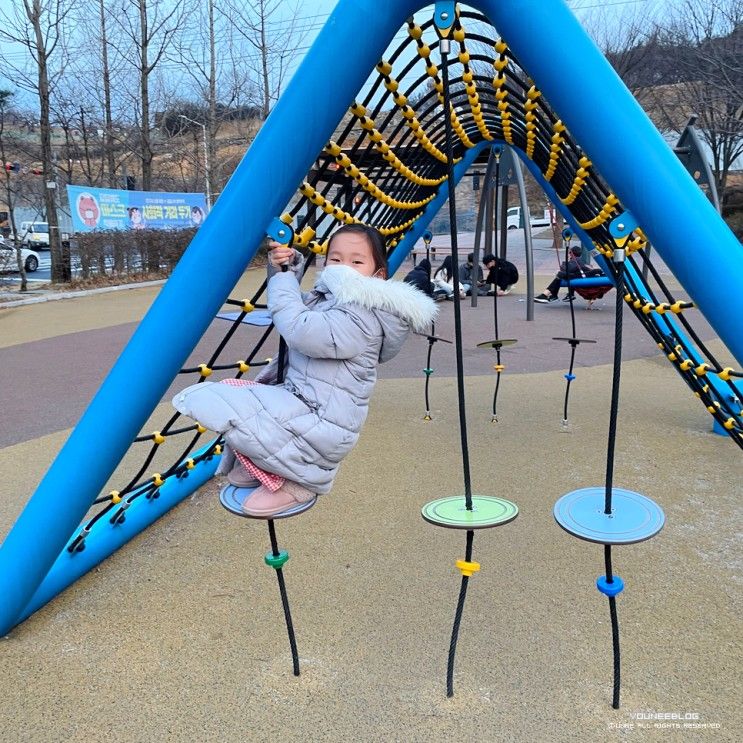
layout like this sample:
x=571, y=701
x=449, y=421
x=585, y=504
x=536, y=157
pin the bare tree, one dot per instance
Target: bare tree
x=108, y=129
x=38, y=26
x=271, y=39
x=198, y=56
x=626, y=39
x=148, y=31
x=10, y=189
x=704, y=40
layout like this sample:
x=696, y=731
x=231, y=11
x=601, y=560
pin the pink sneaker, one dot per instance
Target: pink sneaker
x=264, y=504
x=240, y=477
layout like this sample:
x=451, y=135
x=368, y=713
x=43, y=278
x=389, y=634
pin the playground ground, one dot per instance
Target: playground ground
x=180, y=636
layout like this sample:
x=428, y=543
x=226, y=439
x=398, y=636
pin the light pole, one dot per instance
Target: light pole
x=206, y=160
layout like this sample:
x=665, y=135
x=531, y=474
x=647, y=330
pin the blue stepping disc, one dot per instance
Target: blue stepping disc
x=232, y=498
x=633, y=518
x=256, y=317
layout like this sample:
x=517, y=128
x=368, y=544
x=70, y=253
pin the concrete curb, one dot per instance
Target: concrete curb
x=53, y=296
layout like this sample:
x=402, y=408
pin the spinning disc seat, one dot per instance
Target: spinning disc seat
x=590, y=288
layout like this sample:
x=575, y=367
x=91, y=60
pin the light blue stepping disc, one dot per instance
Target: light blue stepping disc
x=633, y=518
x=232, y=498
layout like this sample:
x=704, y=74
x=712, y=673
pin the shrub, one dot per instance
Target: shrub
x=121, y=253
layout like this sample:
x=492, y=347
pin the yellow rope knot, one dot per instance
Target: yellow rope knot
x=115, y=496
x=204, y=370
x=243, y=367
x=467, y=568
x=247, y=306
x=157, y=437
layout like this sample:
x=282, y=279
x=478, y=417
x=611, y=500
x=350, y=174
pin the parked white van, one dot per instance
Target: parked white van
x=514, y=219
x=35, y=234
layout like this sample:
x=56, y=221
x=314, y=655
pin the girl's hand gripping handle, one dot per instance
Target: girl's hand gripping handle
x=280, y=256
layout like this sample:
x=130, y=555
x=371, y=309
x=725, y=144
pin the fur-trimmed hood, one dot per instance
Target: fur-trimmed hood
x=402, y=300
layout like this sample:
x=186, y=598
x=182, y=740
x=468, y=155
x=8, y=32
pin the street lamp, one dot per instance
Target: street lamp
x=206, y=160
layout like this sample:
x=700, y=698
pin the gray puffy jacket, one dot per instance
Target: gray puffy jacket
x=336, y=336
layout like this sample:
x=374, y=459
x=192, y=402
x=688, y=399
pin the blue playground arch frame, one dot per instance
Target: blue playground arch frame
x=581, y=86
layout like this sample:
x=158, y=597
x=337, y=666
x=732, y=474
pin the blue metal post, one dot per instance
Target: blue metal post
x=105, y=537
x=299, y=126
x=628, y=151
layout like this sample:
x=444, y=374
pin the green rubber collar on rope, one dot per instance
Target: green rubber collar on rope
x=276, y=561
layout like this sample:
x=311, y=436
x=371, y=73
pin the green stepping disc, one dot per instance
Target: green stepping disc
x=487, y=511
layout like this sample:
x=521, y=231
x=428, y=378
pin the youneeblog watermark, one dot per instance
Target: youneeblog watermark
x=647, y=720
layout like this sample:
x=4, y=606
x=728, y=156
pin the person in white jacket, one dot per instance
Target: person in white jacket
x=443, y=280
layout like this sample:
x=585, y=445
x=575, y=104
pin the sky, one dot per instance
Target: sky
x=311, y=15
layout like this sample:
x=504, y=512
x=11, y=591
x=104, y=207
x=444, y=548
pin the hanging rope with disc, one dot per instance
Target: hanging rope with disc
x=498, y=342
x=477, y=511
x=611, y=515
x=232, y=497
x=431, y=337
x=574, y=342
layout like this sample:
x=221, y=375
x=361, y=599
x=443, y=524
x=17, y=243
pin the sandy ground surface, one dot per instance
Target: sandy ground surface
x=180, y=637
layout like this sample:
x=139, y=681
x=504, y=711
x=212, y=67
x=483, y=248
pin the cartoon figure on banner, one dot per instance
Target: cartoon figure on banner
x=136, y=220
x=88, y=209
x=197, y=216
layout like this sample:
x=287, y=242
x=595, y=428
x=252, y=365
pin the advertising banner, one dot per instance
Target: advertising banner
x=111, y=209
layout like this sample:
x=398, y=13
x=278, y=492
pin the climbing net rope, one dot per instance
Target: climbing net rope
x=386, y=162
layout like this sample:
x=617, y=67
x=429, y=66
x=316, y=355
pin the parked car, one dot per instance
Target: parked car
x=515, y=219
x=35, y=234
x=8, y=258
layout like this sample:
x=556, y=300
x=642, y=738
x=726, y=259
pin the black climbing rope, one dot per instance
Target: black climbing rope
x=272, y=531
x=498, y=364
x=284, y=598
x=574, y=341
x=458, y=619
x=611, y=445
x=429, y=370
x=444, y=49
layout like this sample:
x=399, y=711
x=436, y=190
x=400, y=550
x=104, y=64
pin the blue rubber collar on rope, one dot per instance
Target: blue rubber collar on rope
x=610, y=589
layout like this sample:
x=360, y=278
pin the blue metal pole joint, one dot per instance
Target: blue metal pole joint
x=444, y=15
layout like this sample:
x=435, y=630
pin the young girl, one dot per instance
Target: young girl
x=299, y=430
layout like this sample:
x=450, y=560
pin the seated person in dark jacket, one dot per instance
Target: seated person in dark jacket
x=500, y=272
x=467, y=276
x=420, y=277
x=574, y=268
